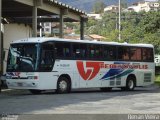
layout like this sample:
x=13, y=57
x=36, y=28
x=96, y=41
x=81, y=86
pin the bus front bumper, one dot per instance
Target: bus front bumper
x=22, y=84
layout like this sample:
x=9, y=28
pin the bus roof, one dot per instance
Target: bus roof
x=47, y=39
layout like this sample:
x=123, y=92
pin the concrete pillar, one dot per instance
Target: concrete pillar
x=82, y=28
x=34, y=19
x=61, y=24
x=1, y=41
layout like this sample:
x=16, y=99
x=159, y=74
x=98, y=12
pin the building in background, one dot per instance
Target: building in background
x=52, y=29
x=95, y=16
x=97, y=37
x=47, y=28
x=111, y=8
x=144, y=6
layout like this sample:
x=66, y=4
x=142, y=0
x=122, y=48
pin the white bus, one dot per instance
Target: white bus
x=39, y=64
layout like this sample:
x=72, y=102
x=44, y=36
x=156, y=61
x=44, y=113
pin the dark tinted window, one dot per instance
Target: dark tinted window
x=62, y=50
x=91, y=51
x=76, y=51
x=66, y=50
x=58, y=50
x=147, y=54
x=109, y=52
x=95, y=51
x=83, y=50
x=99, y=51
x=123, y=53
x=135, y=54
x=79, y=51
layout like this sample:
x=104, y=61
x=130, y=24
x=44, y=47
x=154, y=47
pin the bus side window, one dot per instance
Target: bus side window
x=91, y=51
x=58, y=50
x=105, y=53
x=147, y=54
x=135, y=54
x=150, y=55
x=66, y=50
x=123, y=53
x=62, y=50
x=98, y=52
x=109, y=52
x=76, y=51
x=83, y=51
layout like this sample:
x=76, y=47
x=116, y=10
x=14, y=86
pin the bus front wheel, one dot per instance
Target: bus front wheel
x=63, y=85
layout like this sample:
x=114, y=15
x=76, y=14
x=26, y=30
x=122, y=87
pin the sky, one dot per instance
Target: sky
x=87, y=5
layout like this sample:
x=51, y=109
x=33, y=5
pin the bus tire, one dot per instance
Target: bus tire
x=63, y=85
x=106, y=89
x=35, y=92
x=130, y=84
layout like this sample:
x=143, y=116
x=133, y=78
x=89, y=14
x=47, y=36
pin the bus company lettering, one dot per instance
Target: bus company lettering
x=123, y=66
x=88, y=70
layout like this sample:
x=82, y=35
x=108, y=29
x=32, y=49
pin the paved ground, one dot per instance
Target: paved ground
x=92, y=101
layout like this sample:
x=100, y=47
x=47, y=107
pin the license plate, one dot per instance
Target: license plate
x=20, y=84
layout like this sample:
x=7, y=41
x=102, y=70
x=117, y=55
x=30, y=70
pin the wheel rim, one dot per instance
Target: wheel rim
x=130, y=84
x=63, y=85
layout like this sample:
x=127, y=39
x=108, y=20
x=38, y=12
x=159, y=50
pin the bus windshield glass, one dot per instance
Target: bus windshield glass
x=23, y=57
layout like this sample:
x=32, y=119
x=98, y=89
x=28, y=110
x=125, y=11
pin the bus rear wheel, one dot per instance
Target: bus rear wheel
x=63, y=85
x=35, y=92
x=130, y=84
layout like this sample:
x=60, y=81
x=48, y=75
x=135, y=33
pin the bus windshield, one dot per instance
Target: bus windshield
x=23, y=57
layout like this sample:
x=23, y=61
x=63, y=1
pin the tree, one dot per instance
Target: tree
x=142, y=27
x=124, y=3
x=151, y=22
x=98, y=7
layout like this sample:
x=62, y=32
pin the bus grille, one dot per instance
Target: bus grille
x=115, y=81
x=147, y=77
x=112, y=83
x=118, y=81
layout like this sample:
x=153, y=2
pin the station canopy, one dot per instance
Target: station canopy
x=20, y=11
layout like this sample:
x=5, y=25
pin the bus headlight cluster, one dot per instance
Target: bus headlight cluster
x=8, y=77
